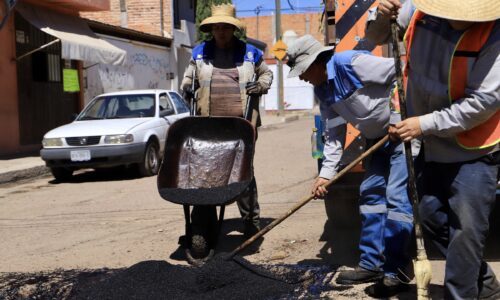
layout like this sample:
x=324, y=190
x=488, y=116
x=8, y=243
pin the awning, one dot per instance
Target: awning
x=78, y=42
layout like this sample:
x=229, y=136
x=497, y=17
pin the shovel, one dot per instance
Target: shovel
x=421, y=265
x=306, y=199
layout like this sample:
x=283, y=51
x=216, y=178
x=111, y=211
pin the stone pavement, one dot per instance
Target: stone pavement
x=24, y=167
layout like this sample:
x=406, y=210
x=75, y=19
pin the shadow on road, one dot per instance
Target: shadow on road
x=101, y=175
x=230, y=237
x=217, y=279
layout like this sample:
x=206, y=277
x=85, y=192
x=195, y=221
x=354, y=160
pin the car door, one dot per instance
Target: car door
x=168, y=114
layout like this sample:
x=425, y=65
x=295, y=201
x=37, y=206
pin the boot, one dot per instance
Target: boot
x=250, y=229
x=358, y=275
x=387, y=287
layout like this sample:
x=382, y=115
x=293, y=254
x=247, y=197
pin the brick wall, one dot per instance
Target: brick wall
x=142, y=15
x=295, y=22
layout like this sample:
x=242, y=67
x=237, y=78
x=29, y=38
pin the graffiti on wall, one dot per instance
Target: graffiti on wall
x=145, y=68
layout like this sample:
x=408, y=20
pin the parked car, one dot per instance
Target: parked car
x=121, y=128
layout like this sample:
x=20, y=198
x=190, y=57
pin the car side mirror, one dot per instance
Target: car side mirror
x=167, y=112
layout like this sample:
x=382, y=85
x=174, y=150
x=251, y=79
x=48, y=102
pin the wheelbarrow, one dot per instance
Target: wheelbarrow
x=207, y=162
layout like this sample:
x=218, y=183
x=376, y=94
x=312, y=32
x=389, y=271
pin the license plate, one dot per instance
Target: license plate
x=80, y=155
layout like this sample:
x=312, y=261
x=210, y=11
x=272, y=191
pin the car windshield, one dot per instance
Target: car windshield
x=120, y=107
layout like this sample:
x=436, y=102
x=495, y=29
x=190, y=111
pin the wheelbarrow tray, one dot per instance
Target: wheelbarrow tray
x=207, y=160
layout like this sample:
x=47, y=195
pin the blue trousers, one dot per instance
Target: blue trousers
x=386, y=212
x=457, y=200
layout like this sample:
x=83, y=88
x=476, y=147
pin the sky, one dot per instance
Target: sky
x=245, y=8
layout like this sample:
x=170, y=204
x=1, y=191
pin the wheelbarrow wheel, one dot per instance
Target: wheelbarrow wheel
x=198, y=261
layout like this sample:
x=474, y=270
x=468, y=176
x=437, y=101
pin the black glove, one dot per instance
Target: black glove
x=188, y=94
x=254, y=88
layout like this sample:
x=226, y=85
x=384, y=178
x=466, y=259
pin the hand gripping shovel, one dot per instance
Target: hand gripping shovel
x=306, y=199
x=421, y=265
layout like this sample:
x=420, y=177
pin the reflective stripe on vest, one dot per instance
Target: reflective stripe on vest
x=486, y=134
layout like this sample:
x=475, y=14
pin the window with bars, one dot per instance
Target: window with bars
x=46, y=67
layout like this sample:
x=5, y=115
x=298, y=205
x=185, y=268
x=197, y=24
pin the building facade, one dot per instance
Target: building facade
x=57, y=55
x=44, y=46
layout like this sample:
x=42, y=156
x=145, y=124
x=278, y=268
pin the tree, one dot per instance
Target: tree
x=203, y=11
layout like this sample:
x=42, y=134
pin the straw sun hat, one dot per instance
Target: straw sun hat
x=224, y=13
x=461, y=10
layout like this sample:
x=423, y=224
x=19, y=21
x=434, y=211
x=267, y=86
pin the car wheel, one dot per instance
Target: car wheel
x=151, y=161
x=61, y=174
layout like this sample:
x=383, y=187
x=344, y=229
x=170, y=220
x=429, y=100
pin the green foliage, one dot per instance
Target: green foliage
x=203, y=11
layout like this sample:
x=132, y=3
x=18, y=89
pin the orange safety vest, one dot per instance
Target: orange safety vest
x=486, y=134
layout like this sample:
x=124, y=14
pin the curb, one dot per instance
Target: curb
x=28, y=173
x=286, y=119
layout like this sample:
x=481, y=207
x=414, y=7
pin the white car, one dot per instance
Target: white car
x=122, y=128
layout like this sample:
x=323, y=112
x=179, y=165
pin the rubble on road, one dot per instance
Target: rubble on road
x=218, y=279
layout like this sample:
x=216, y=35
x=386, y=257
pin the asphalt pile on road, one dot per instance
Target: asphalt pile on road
x=217, y=279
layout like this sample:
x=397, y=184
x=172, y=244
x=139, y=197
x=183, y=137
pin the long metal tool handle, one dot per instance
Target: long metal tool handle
x=248, y=108
x=412, y=187
x=421, y=265
x=306, y=199
x=193, y=103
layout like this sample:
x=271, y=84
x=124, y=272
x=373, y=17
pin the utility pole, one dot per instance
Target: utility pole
x=281, y=105
x=257, y=12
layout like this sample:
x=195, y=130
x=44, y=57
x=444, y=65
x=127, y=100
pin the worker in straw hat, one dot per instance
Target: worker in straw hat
x=355, y=87
x=453, y=92
x=223, y=69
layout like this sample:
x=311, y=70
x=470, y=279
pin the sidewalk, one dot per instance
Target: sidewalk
x=14, y=169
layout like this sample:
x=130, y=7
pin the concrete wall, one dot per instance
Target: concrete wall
x=9, y=139
x=298, y=94
x=146, y=67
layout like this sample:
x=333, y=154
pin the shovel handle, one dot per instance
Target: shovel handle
x=412, y=187
x=248, y=108
x=306, y=199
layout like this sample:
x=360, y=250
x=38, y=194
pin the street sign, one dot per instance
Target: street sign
x=279, y=49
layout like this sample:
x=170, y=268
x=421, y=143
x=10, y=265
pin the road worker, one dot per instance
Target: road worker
x=355, y=87
x=453, y=92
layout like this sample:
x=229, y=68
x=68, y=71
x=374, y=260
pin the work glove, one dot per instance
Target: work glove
x=188, y=94
x=254, y=88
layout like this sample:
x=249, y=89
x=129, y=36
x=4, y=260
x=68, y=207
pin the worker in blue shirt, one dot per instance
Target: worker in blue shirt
x=355, y=87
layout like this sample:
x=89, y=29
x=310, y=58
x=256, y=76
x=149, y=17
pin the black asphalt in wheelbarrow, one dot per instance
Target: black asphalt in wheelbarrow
x=207, y=160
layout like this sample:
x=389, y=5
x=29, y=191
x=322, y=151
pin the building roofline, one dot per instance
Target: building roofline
x=126, y=33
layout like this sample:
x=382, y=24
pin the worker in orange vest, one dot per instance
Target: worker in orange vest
x=453, y=91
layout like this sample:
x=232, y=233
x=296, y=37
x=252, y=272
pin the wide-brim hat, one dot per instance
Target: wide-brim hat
x=461, y=10
x=224, y=13
x=303, y=52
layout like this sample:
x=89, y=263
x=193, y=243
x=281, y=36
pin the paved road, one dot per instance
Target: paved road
x=113, y=219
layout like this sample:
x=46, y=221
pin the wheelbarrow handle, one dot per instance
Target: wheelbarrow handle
x=248, y=107
x=193, y=104
x=306, y=199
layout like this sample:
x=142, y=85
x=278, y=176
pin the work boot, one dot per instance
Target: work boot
x=387, y=287
x=358, y=275
x=250, y=230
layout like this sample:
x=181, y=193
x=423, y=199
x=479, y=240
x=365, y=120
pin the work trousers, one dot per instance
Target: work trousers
x=386, y=212
x=204, y=217
x=457, y=200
